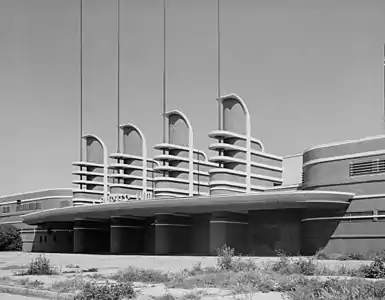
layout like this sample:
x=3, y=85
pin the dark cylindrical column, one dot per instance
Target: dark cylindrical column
x=231, y=229
x=127, y=235
x=172, y=234
x=91, y=236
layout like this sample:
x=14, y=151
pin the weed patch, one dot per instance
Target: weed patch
x=106, y=291
x=141, y=275
x=39, y=266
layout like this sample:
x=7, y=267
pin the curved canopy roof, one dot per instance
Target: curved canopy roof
x=191, y=205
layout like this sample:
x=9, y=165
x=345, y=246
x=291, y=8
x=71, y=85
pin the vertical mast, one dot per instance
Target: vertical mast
x=383, y=77
x=81, y=81
x=219, y=65
x=164, y=71
x=118, y=79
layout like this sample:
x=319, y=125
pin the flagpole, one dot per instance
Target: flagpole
x=81, y=80
x=164, y=70
x=118, y=78
x=219, y=65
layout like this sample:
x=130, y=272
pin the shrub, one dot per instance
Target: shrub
x=90, y=270
x=225, y=257
x=39, y=266
x=304, y=266
x=10, y=238
x=375, y=270
x=132, y=274
x=106, y=291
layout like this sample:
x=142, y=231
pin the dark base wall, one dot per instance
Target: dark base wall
x=127, y=235
x=91, y=237
x=258, y=233
x=272, y=230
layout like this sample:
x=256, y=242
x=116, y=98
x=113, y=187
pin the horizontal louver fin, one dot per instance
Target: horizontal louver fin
x=369, y=167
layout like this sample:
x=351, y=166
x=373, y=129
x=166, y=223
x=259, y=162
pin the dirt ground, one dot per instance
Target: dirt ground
x=10, y=262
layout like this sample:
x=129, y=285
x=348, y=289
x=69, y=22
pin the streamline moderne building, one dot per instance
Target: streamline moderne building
x=184, y=202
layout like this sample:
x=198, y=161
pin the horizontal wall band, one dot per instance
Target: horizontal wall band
x=229, y=222
x=175, y=225
x=358, y=236
x=35, y=192
x=171, y=214
x=343, y=218
x=44, y=230
x=344, y=157
x=370, y=138
x=126, y=226
x=373, y=196
x=36, y=199
x=90, y=228
x=127, y=217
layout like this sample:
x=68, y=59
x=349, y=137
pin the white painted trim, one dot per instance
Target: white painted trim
x=358, y=197
x=128, y=176
x=215, y=146
x=241, y=173
x=282, y=187
x=181, y=180
x=126, y=166
x=129, y=156
x=11, y=222
x=175, y=225
x=178, y=147
x=36, y=191
x=84, y=200
x=88, y=191
x=235, y=184
x=88, y=182
x=173, y=214
x=178, y=191
x=344, y=157
x=87, y=164
x=343, y=218
x=178, y=169
x=227, y=189
x=129, y=186
x=105, y=162
x=126, y=226
x=228, y=134
x=292, y=155
x=184, y=159
x=244, y=162
x=89, y=228
x=229, y=222
x=35, y=199
x=127, y=217
x=86, y=173
x=371, y=138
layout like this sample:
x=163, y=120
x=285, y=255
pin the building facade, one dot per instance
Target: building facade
x=13, y=207
x=182, y=202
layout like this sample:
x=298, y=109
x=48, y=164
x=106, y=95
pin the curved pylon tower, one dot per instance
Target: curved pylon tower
x=184, y=168
x=244, y=166
x=133, y=171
